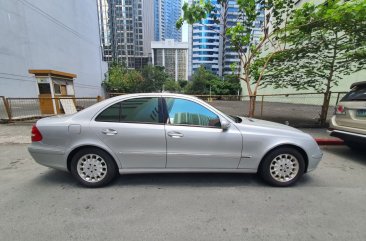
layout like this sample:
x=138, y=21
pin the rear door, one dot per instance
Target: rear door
x=134, y=130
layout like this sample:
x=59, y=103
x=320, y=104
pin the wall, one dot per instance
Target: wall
x=49, y=34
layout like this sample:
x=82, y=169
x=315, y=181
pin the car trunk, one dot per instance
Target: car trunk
x=354, y=106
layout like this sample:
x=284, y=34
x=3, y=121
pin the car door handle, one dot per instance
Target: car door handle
x=109, y=132
x=174, y=134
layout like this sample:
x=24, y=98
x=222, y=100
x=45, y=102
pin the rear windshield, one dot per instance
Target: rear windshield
x=358, y=93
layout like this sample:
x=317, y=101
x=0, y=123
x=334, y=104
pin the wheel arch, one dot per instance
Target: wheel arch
x=299, y=149
x=78, y=148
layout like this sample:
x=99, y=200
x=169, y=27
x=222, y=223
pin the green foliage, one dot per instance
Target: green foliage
x=154, y=78
x=203, y=80
x=326, y=42
x=172, y=86
x=121, y=79
x=241, y=36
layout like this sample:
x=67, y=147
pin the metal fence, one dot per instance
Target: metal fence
x=299, y=109
x=19, y=109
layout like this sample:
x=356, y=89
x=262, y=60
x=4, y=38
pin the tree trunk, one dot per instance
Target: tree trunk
x=325, y=107
x=252, y=99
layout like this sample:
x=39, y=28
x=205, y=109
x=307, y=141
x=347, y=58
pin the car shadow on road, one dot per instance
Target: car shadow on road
x=190, y=180
x=160, y=179
x=65, y=179
x=55, y=177
x=358, y=156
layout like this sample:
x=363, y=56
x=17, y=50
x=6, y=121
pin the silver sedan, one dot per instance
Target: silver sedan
x=161, y=132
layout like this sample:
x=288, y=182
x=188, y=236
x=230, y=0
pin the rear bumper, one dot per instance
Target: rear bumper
x=53, y=157
x=348, y=136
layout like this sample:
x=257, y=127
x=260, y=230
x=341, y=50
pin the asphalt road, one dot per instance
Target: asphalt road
x=38, y=203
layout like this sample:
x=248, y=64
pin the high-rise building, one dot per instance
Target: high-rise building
x=173, y=56
x=206, y=44
x=166, y=14
x=127, y=29
x=210, y=47
x=128, y=26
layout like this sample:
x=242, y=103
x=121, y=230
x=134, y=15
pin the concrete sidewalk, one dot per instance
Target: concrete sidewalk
x=15, y=133
x=21, y=134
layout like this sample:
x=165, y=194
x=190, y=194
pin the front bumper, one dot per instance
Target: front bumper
x=314, y=161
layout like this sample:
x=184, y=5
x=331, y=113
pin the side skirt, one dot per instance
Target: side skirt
x=182, y=170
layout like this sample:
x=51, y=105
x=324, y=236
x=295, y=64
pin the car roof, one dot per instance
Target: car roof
x=358, y=84
x=163, y=94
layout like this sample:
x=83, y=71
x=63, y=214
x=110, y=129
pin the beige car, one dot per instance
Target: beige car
x=349, y=120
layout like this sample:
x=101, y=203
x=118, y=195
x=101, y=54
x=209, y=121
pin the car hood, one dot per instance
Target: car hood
x=268, y=127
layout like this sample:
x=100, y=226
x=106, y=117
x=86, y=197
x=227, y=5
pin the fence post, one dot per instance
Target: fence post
x=339, y=93
x=7, y=108
x=99, y=98
x=262, y=105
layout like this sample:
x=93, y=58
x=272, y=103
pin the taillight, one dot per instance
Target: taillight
x=340, y=110
x=36, y=134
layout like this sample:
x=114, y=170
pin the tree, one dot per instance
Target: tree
x=205, y=82
x=121, y=79
x=242, y=36
x=172, y=86
x=329, y=44
x=154, y=78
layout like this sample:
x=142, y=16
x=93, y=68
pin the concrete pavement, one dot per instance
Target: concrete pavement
x=38, y=203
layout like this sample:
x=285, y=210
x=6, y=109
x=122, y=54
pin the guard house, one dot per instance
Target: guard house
x=52, y=86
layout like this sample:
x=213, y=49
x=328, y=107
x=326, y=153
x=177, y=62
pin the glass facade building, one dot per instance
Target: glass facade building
x=126, y=28
x=210, y=49
x=206, y=44
x=166, y=14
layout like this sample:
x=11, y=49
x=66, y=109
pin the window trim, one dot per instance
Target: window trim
x=166, y=114
x=160, y=121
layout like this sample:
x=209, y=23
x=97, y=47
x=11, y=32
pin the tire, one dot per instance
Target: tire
x=282, y=167
x=93, y=167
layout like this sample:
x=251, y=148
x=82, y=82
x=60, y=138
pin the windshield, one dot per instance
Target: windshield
x=358, y=93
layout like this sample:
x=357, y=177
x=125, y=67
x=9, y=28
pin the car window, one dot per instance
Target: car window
x=138, y=110
x=185, y=112
x=111, y=114
x=358, y=93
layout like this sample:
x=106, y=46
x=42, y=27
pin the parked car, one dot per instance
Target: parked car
x=349, y=120
x=162, y=132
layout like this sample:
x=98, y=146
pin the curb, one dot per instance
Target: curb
x=329, y=141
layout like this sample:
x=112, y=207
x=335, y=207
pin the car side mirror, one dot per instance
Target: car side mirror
x=225, y=124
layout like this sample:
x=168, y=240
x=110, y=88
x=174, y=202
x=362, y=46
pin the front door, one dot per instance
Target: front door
x=195, y=138
x=134, y=130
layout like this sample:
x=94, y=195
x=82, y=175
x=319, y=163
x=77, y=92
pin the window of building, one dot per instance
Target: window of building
x=44, y=88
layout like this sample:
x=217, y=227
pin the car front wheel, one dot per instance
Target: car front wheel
x=282, y=167
x=93, y=167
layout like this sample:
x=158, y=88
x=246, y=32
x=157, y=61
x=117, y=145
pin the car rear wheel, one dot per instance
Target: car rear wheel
x=282, y=167
x=93, y=167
